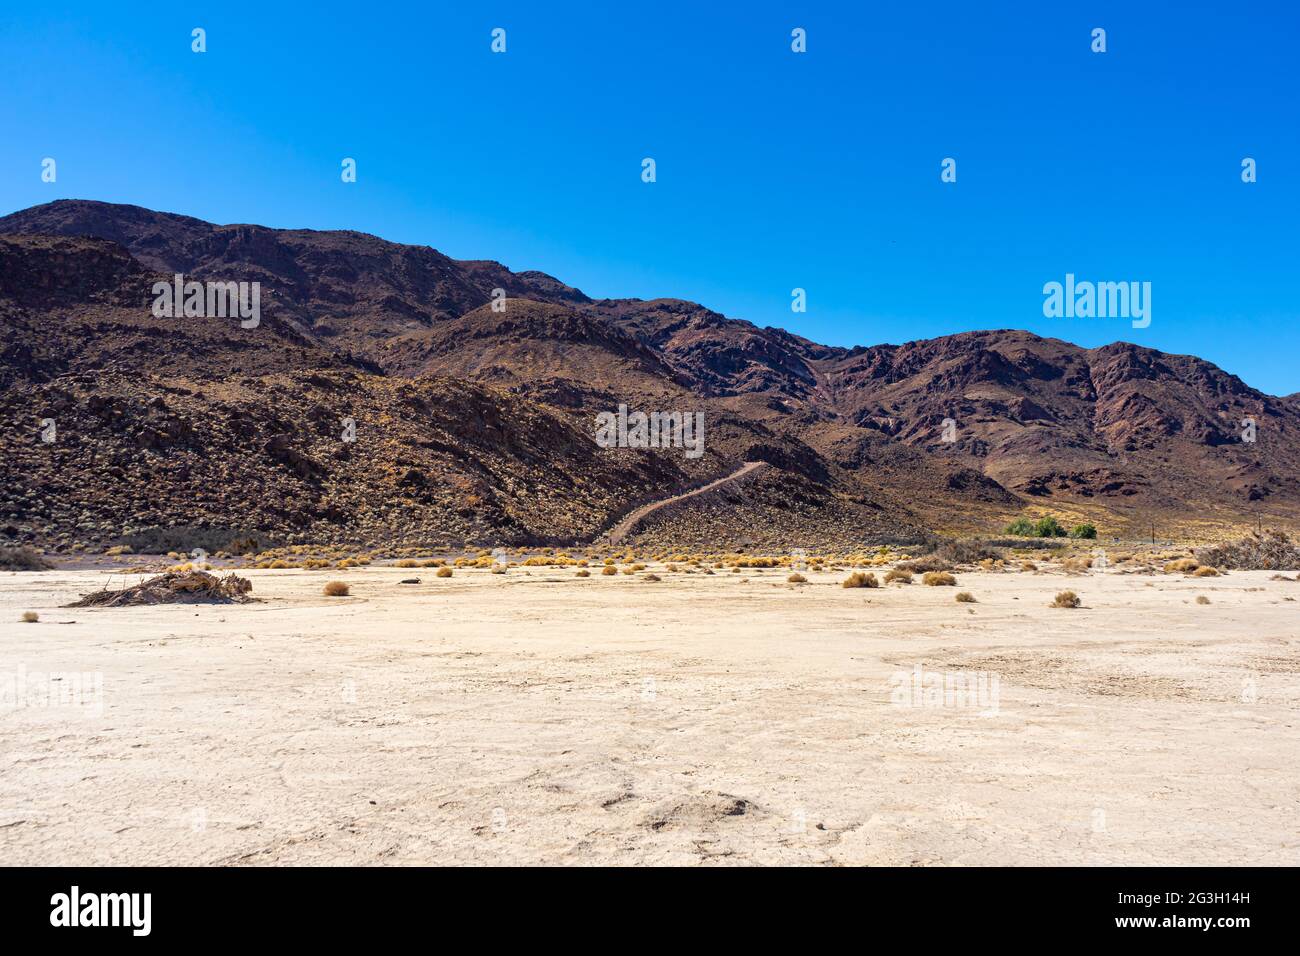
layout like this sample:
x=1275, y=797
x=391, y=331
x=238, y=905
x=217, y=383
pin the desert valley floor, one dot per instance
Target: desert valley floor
x=535, y=717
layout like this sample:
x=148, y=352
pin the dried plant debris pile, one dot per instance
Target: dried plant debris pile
x=174, y=587
x=1270, y=551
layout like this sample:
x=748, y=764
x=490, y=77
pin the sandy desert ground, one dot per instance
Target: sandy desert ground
x=737, y=719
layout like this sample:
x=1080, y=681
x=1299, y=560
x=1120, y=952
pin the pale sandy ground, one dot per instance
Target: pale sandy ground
x=544, y=719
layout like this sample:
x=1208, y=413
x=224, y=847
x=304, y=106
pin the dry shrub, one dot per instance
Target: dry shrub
x=652, y=577
x=1205, y=571
x=797, y=578
x=442, y=572
x=336, y=589
x=860, y=580
x=609, y=570
x=902, y=577
x=1182, y=566
x=1066, y=599
x=1076, y=565
x=583, y=574
x=1028, y=566
x=1283, y=577
x=30, y=617
x=931, y=562
x=938, y=579
x=407, y=563
x=966, y=551
x=1270, y=551
x=1202, y=599
x=22, y=559
x=965, y=597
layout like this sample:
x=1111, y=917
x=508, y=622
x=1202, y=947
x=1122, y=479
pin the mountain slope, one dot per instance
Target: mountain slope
x=957, y=433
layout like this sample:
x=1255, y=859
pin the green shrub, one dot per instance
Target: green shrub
x=1083, y=531
x=1021, y=527
x=1048, y=527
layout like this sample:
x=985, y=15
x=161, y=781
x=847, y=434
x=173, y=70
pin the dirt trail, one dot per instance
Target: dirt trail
x=624, y=527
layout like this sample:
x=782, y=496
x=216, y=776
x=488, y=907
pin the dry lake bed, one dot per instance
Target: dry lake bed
x=538, y=718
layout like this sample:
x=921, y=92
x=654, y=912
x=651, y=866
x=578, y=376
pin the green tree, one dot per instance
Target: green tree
x=1021, y=527
x=1049, y=527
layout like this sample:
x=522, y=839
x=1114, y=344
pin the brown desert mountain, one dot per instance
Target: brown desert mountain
x=473, y=392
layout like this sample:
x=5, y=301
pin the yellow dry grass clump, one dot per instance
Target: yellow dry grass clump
x=860, y=580
x=938, y=579
x=965, y=597
x=443, y=572
x=902, y=577
x=336, y=589
x=1066, y=599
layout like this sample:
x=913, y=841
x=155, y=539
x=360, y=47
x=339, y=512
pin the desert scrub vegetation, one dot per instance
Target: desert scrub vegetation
x=797, y=578
x=22, y=559
x=1182, y=566
x=1077, y=564
x=336, y=589
x=938, y=579
x=30, y=617
x=902, y=577
x=584, y=573
x=860, y=579
x=652, y=577
x=1066, y=599
x=1045, y=527
x=927, y=564
x=1205, y=571
x=965, y=597
x=443, y=572
x=966, y=551
x=609, y=570
x=1202, y=599
x=1270, y=551
x=1049, y=527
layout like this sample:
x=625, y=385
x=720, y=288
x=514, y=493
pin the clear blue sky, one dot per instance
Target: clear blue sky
x=775, y=170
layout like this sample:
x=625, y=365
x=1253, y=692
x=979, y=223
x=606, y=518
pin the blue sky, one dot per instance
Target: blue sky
x=775, y=170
